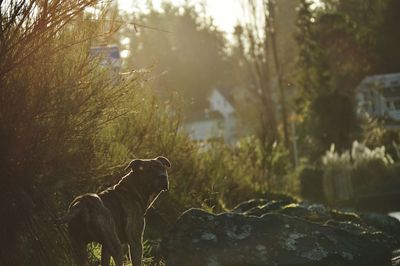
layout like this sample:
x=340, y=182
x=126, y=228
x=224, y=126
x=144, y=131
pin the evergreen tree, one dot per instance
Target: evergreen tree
x=338, y=48
x=185, y=49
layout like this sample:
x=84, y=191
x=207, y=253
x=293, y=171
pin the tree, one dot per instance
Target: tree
x=338, y=44
x=388, y=39
x=265, y=65
x=328, y=111
x=184, y=50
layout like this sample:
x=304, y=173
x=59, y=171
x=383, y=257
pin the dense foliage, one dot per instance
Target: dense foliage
x=68, y=126
x=340, y=43
x=185, y=50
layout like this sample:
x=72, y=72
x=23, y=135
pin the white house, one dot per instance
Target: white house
x=221, y=100
x=379, y=96
x=207, y=125
x=218, y=121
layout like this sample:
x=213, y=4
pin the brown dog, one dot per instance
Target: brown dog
x=116, y=216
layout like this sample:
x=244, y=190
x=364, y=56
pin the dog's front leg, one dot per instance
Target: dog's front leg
x=105, y=256
x=136, y=243
x=134, y=233
x=136, y=250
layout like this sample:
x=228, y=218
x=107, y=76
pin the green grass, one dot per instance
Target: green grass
x=95, y=255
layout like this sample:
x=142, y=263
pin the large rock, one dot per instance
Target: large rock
x=271, y=202
x=233, y=239
x=386, y=224
x=396, y=258
x=379, y=227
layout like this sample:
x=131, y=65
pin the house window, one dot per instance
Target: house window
x=371, y=94
x=397, y=104
x=389, y=105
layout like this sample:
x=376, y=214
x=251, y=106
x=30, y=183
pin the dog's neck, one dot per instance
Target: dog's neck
x=153, y=198
x=145, y=198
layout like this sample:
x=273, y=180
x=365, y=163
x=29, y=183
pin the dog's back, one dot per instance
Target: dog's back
x=89, y=220
x=84, y=214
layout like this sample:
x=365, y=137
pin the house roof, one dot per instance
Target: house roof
x=227, y=93
x=381, y=81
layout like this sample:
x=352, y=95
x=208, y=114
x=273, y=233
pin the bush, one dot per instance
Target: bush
x=311, y=184
x=337, y=185
x=370, y=167
x=377, y=135
x=360, y=171
x=67, y=128
x=215, y=177
x=54, y=101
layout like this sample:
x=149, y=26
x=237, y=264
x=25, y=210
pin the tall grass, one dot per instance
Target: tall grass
x=352, y=172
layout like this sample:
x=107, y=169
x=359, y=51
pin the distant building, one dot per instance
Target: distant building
x=218, y=121
x=205, y=126
x=379, y=96
x=221, y=100
x=109, y=57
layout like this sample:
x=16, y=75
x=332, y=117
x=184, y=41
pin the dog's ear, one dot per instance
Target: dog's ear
x=164, y=161
x=135, y=164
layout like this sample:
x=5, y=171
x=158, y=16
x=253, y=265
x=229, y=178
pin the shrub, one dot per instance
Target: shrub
x=358, y=171
x=215, y=177
x=370, y=167
x=337, y=175
x=377, y=135
x=54, y=100
x=67, y=128
x=311, y=184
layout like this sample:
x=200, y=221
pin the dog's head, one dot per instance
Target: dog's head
x=151, y=172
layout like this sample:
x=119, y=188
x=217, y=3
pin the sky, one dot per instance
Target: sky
x=226, y=13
